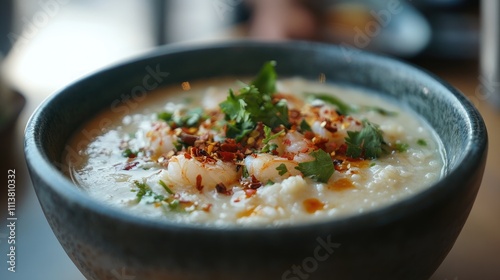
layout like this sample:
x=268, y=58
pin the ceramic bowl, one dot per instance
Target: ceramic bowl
x=405, y=240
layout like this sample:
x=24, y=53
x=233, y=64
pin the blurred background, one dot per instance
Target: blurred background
x=47, y=44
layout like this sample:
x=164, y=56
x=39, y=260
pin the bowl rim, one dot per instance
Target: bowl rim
x=476, y=150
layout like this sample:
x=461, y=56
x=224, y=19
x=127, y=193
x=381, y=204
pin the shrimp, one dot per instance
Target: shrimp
x=292, y=143
x=185, y=171
x=290, y=150
x=160, y=139
x=267, y=167
x=332, y=126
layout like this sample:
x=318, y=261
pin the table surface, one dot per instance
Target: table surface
x=476, y=254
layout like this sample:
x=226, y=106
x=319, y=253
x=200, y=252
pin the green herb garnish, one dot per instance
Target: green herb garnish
x=175, y=205
x=422, y=142
x=367, y=143
x=321, y=169
x=191, y=118
x=143, y=190
x=379, y=110
x=265, y=81
x=146, y=191
x=244, y=171
x=254, y=104
x=268, y=137
x=401, y=147
x=165, y=116
x=128, y=153
x=304, y=126
x=342, y=107
x=346, y=109
x=240, y=122
x=282, y=170
x=167, y=189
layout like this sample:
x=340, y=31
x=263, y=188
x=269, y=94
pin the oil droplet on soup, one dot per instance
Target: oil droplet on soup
x=312, y=205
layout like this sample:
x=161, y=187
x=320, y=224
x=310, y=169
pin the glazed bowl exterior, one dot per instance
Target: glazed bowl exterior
x=405, y=240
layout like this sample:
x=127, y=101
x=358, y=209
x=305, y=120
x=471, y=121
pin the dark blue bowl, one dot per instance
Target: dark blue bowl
x=406, y=240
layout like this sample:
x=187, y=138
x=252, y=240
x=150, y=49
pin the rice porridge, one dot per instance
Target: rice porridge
x=268, y=152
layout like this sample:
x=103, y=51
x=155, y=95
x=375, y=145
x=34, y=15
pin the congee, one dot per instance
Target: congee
x=266, y=152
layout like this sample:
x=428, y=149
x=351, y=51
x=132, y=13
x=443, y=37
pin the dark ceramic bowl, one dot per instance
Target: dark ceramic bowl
x=406, y=240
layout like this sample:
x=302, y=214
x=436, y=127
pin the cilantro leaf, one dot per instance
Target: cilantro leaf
x=368, y=142
x=254, y=104
x=244, y=172
x=268, y=137
x=167, y=189
x=260, y=107
x=401, y=147
x=304, y=126
x=321, y=169
x=379, y=110
x=239, y=130
x=342, y=107
x=346, y=109
x=282, y=170
x=145, y=191
x=422, y=142
x=233, y=107
x=191, y=118
x=275, y=115
x=265, y=81
x=166, y=116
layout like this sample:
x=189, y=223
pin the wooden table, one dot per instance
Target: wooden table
x=476, y=254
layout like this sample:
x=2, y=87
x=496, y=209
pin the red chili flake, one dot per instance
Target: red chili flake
x=287, y=142
x=250, y=192
x=253, y=184
x=221, y=188
x=197, y=152
x=304, y=150
x=327, y=124
x=207, y=207
x=229, y=146
x=187, y=155
x=199, y=186
x=320, y=142
x=342, y=149
x=226, y=156
x=288, y=155
x=130, y=165
x=309, y=135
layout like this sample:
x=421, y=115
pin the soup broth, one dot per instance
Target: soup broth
x=198, y=154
